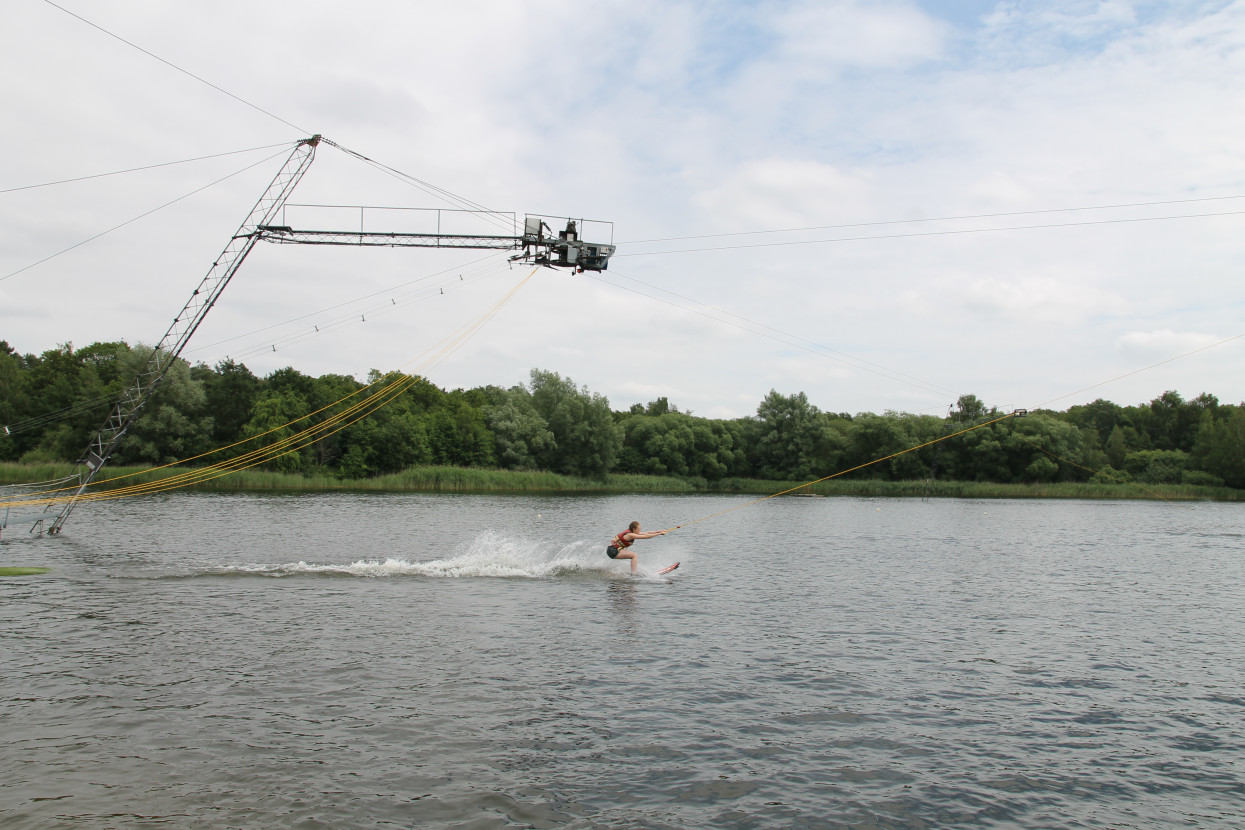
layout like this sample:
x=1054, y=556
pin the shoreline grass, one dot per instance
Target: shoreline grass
x=476, y=480
x=4, y=571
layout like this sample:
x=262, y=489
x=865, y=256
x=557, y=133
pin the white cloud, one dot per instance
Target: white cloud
x=1163, y=344
x=1040, y=300
x=1000, y=189
x=857, y=34
x=780, y=193
x=671, y=119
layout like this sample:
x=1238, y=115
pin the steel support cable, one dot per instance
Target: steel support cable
x=842, y=472
x=452, y=344
x=813, y=348
x=934, y=219
x=36, y=421
x=361, y=315
x=455, y=342
x=1036, y=446
x=188, y=476
x=142, y=215
x=429, y=188
x=288, y=445
x=386, y=395
x=39, y=483
x=466, y=267
x=1144, y=369
x=970, y=429
x=178, y=68
x=318, y=432
x=286, y=144
x=375, y=402
x=919, y=234
x=236, y=443
x=291, y=443
x=283, y=447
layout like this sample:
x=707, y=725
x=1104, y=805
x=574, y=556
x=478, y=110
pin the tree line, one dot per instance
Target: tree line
x=52, y=404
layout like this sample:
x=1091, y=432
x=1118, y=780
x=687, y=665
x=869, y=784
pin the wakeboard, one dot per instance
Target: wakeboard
x=668, y=569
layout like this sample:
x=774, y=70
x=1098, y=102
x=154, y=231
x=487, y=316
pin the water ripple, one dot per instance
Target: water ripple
x=204, y=661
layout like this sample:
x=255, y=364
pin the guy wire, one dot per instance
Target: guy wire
x=297, y=441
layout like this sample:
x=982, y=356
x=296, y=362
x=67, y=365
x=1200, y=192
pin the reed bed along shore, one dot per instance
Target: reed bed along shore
x=6, y=571
x=473, y=480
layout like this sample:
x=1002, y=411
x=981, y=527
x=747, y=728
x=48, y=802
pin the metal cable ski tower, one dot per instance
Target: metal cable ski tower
x=187, y=321
x=538, y=245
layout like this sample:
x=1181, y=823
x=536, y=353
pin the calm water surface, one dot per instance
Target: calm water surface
x=335, y=661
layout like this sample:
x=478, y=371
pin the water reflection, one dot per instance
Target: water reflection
x=622, y=596
x=943, y=663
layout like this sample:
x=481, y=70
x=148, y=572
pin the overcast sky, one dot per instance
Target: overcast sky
x=880, y=125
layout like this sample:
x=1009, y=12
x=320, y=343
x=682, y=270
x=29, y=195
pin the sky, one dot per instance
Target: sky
x=884, y=205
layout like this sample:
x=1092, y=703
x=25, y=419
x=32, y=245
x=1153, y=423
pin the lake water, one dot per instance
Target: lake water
x=347, y=661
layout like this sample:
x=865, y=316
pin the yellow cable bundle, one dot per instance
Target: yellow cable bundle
x=330, y=426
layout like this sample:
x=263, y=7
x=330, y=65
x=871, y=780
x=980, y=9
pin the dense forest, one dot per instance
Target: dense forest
x=52, y=404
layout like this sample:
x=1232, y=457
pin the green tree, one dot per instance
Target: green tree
x=354, y=464
x=675, y=443
x=1220, y=445
x=715, y=451
x=874, y=437
x=110, y=362
x=330, y=397
x=53, y=381
x=1042, y=448
x=1117, y=448
x=586, y=439
x=230, y=390
x=743, y=433
x=790, y=434
x=659, y=407
x=272, y=425
x=1157, y=466
x=172, y=425
x=1102, y=417
x=969, y=408
x=662, y=443
x=1041, y=469
x=69, y=393
x=459, y=435
x=979, y=456
x=1162, y=421
x=387, y=441
x=520, y=433
x=12, y=400
x=394, y=436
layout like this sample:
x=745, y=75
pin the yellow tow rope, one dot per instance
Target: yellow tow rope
x=842, y=472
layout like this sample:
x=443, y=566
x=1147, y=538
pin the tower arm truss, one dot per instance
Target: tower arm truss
x=375, y=239
x=538, y=245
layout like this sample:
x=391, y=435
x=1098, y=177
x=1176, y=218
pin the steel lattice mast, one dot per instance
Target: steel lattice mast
x=187, y=321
